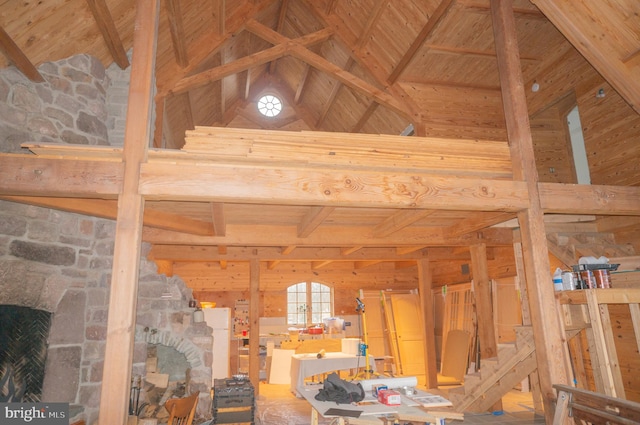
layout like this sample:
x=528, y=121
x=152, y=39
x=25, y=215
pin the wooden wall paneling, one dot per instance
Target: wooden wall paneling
x=376, y=327
x=552, y=147
x=507, y=309
x=116, y=381
x=551, y=353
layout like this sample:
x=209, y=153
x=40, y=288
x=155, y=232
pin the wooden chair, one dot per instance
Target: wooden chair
x=182, y=410
x=455, y=358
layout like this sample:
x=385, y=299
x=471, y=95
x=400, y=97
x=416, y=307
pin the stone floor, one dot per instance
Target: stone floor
x=277, y=406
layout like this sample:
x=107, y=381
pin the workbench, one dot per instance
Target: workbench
x=372, y=412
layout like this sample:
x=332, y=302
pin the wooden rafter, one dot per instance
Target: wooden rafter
x=19, y=59
x=594, y=42
x=367, y=62
x=302, y=83
x=284, y=5
x=109, y=32
x=176, y=28
x=435, y=19
x=331, y=100
x=364, y=117
x=250, y=61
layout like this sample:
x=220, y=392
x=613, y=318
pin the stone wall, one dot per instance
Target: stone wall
x=61, y=262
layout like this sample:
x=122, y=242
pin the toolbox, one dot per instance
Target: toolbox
x=233, y=401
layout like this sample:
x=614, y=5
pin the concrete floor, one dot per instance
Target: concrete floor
x=277, y=406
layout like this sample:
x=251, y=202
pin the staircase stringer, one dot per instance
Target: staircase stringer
x=491, y=388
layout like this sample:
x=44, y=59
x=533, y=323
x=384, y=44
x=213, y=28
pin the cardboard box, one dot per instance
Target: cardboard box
x=389, y=397
x=376, y=388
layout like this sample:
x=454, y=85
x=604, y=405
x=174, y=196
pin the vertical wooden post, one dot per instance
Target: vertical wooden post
x=116, y=381
x=484, y=309
x=426, y=299
x=484, y=306
x=551, y=351
x=254, y=316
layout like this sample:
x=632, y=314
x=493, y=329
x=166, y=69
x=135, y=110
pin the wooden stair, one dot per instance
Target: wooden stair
x=568, y=247
x=497, y=375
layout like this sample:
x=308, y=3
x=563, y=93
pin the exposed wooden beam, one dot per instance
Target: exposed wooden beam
x=478, y=222
x=551, y=352
x=366, y=61
x=463, y=51
x=33, y=176
x=250, y=61
x=399, y=220
x=359, y=265
x=331, y=236
x=291, y=185
x=19, y=59
x=176, y=27
x=316, y=265
x=351, y=80
x=432, y=23
x=331, y=100
x=207, y=46
x=109, y=32
x=217, y=215
x=284, y=5
x=425, y=282
x=589, y=199
x=596, y=42
x=222, y=15
x=288, y=250
x=302, y=83
x=314, y=218
x=365, y=117
x=350, y=250
x=118, y=358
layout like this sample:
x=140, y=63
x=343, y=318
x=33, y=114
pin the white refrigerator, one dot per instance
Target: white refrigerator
x=220, y=320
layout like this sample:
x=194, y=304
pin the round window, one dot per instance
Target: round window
x=269, y=105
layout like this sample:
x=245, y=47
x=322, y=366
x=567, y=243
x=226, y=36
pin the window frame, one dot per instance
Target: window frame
x=308, y=303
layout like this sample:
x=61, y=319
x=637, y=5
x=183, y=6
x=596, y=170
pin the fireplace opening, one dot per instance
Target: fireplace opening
x=23, y=352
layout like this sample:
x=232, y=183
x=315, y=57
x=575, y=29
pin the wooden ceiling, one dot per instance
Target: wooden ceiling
x=421, y=67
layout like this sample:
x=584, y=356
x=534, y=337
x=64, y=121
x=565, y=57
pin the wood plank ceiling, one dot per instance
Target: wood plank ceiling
x=356, y=66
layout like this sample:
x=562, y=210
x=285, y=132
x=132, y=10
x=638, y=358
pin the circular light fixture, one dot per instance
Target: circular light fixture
x=269, y=105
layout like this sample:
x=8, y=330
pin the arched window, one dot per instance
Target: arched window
x=308, y=302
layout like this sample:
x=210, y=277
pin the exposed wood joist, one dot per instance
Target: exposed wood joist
x=176, y=27
x=19, y=59
x=313, y=219
x=398, y=221
x=109, y=32
x=478, y=222
x=433, y=22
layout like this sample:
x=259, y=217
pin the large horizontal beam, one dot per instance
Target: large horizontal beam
x=33, y=176
x=328, y=236
x=182, y=253
x=589, y=199
x=295, y=185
